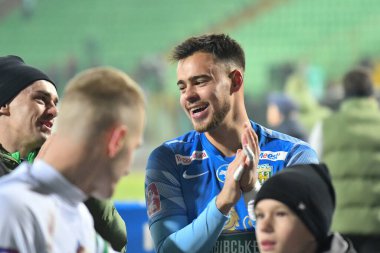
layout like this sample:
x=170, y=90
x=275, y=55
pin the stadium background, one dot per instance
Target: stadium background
x=316, y=39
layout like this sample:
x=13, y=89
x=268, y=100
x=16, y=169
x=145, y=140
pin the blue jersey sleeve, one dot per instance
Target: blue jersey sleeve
x=163, y=191
x=170, y=227
x=174, y=234
x=302, y=153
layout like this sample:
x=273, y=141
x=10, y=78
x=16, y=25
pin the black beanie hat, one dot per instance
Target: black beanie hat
x=15, y=76
x=307, y=190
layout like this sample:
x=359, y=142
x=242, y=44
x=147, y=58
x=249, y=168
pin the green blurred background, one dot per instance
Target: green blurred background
x=316, y=39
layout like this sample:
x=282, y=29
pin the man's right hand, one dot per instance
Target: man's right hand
x=249, y=176
x=232, y=189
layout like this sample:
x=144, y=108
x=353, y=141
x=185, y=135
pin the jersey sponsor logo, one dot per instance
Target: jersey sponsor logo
x=233, y=221
x=153, y=199
x=186, y=160
x=248, y=223
x=264, y=172
x=221, y=173
x=187, y=176
x=244, y=242
x=273, y=156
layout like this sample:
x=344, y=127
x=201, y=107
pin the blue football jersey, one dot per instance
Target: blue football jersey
x=183, y=175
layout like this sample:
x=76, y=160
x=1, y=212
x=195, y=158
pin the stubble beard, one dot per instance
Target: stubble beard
x=216, y=119
x=36, y=140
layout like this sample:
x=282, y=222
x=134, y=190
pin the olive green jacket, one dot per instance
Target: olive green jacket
x=351, y=149
x=107, y=221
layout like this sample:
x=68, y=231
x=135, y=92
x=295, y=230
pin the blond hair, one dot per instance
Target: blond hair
x=98, y=98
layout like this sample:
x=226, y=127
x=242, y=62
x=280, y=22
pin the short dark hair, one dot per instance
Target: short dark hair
x=358, y=83
x=221, y=46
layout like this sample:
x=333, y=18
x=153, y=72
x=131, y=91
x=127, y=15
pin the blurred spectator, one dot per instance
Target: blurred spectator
x=93, y=52
x=28, y=8
x=376, y=74
x=279, y=73
x=349, y=142
x=71, y=67
x=150, y=73
x=282, y=116
x=310, y=111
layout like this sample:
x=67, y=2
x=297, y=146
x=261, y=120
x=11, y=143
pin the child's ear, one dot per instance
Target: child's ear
x=4, y=110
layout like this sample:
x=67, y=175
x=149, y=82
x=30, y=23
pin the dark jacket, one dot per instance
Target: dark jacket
x=293, y=128
x=107, y=221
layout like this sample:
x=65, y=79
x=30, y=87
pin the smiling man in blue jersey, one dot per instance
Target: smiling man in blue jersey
x=194, y=204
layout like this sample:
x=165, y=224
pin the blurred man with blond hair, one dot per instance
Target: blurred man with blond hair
x=28, y=110
x=100, y=126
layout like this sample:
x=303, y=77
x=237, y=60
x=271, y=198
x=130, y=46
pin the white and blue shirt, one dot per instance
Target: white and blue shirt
x=42, y=212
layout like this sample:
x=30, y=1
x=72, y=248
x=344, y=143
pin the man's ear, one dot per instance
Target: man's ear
x=4, y=110
x=116, y=140
x=236, y=80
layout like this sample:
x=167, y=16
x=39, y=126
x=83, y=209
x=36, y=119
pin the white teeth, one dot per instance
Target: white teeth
x=196, y=108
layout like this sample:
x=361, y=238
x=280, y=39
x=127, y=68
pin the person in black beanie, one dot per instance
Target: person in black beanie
x=28, y=108
x=294, y=211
